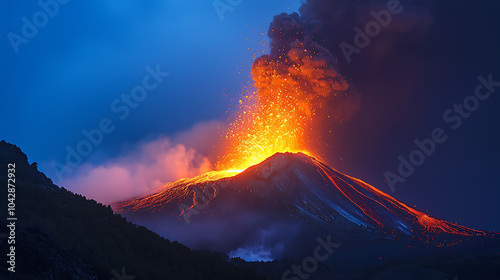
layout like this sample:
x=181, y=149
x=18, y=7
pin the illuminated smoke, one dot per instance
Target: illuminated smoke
x=147, y=165
x=292, y=84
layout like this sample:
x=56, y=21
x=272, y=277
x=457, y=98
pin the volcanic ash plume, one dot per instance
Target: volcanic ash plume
x=292, y=84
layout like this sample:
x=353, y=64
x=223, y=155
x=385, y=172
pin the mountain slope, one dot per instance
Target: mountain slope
x=287, y=193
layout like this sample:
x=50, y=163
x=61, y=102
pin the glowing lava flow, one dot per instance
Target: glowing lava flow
x=303, y=188
x=209, y=176
x=170, y=191
x=387, y=213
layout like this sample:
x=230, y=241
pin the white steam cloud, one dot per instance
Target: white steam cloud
x=147, y=166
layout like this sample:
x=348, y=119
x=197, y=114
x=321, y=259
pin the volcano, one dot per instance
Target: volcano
x=278, y=208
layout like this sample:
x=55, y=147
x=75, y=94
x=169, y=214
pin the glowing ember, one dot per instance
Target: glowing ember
x=264, y=128
x=277, y=118
x=179, y=188
x=210, y=176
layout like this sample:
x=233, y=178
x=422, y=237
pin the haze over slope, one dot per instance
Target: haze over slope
x=286, y=200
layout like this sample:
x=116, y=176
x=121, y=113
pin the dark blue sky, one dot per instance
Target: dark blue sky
x=65, y=78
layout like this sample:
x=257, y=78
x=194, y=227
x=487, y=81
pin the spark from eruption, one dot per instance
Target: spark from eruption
x=292, y=84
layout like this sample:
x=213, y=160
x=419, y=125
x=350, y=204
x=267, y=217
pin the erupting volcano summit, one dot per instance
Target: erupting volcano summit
x=280, y=203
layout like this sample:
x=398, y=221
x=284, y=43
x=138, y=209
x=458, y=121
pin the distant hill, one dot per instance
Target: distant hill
x=63, y=235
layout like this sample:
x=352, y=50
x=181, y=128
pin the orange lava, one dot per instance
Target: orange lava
x=267, y=125
x=173, y=191
x=278, y=116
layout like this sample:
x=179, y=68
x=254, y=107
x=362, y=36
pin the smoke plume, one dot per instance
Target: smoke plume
x=148, y=166
x=308, y=90
x=293, y=83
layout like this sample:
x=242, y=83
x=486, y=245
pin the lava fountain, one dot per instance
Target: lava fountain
x=291, y=86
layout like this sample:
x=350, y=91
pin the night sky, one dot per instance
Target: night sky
x=67, y=77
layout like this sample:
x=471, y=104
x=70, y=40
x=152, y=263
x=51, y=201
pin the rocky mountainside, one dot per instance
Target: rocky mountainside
x=279, y=208
x=291, y=193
